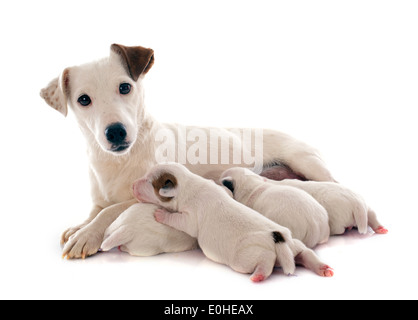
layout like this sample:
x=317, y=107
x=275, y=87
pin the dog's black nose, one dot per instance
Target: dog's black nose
x=116, y=134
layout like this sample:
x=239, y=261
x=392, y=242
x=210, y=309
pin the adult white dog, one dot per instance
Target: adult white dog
x=124, y=141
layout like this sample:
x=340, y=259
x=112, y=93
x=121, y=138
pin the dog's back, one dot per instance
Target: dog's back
x=295, y=209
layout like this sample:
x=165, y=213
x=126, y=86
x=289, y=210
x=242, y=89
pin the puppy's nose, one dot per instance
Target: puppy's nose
x=116, y=133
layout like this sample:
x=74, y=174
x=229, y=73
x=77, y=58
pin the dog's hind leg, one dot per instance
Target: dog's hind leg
x=374, y=223
x=264, y=267
x=116, y=238
x=301, y=158
x=310, y=260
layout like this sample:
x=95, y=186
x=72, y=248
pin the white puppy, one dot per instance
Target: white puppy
x=344, y=208
x=287, y=206
x=136, y=232
x=227, y=231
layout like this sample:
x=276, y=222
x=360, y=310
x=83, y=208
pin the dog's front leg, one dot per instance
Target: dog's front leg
x=70, y=231
x=87, y=240
x=177, y=221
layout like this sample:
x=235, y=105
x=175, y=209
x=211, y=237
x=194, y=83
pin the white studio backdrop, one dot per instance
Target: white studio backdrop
x=340, y=75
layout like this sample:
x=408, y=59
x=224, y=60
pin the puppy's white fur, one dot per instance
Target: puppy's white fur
x=290, y=207
x=112, y=173
x=227, y=231
x=345, y=208
x=135, y=231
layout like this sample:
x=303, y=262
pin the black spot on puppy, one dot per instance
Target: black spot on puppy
x=229, y=184
x=277, y=237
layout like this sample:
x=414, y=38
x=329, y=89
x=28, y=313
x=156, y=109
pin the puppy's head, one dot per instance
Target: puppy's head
x=106, y=96
x=237, y=178
x=162, y=185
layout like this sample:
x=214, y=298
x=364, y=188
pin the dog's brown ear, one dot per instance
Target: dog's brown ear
x=56, y=93
x=136, y=60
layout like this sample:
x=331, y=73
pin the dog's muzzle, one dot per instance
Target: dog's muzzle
x=116, y=135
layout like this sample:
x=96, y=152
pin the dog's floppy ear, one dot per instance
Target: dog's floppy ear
x=136, y=60
x=56, y=93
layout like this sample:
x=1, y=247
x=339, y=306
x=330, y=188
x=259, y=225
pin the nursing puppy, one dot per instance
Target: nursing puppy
x=290, y=207
x=136, y=232
x=227, y=231
x=344, y=208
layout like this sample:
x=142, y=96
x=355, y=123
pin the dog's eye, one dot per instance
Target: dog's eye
x=124, y=88
x=84, y=100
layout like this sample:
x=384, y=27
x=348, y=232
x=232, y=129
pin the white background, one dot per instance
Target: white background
x=340, y=75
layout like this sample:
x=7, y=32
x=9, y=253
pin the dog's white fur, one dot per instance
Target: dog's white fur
x=112, y=173
x=344, y=208
x=290, y=207
x=136, y=232
x=227, y=231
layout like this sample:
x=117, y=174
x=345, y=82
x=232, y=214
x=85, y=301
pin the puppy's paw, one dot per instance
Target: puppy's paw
x=325, y=271
x=257, y=277
x=160, y=215
x=381, y=230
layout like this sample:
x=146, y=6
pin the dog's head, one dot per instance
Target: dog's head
x=106, y=96
x=163, y=185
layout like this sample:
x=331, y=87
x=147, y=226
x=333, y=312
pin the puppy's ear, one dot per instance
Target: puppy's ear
x=136, y=60
x=168, y=190
x=228, y=182
x=57, y=91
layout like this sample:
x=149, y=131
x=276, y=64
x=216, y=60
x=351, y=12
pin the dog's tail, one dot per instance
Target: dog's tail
x=116, y=238
x=285, y=255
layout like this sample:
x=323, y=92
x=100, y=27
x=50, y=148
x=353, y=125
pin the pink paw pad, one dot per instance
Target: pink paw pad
x=381, y=230
x=159, y=215
x=257, y=278
x=326, y=271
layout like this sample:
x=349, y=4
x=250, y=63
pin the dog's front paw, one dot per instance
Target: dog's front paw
x=69, y=232
x=85, y=242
